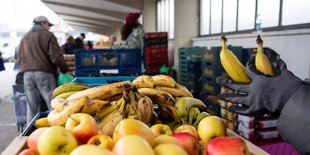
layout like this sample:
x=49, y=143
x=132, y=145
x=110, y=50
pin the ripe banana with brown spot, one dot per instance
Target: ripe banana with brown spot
x=42, y=122
x=178, y=91
x=59, y=118
x=164, y=80
x=106, y=109
x=262, y=62
x=104, y=91
x=132, y=106
x=114, y=98
x=66, y=94
x=94, y=105
x=144, y=81
x=159, y=97
x=146, y=108
x=69, y=87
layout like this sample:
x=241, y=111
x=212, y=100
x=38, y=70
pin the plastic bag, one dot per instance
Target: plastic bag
x=64, y=78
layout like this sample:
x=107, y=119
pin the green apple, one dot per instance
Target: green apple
x=211, y=127
x=56, y=141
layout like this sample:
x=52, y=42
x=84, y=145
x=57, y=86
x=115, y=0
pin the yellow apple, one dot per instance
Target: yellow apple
x=83, y=126
x=187, y=128
x=169, y=149
x=56, y=141
x=132, y=145
x=133, y=127
x=90, y=150
x=164, y=139
x=102, y=141
x=161, y=129
x=211, y=127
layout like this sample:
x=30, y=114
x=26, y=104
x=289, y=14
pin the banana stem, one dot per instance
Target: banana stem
x=259, y=42
x=223, y=41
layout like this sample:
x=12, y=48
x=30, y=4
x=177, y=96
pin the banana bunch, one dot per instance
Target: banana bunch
x=231, y=64
x=190, y=110
x=66, y=90
x=262, y=62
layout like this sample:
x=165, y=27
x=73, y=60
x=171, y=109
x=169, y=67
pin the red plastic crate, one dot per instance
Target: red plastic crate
x=156, y=51
x=155, y=67
x=157, y=60
x=156, y=34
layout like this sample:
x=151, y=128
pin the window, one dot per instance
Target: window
x=165, y=17
x=234, y=16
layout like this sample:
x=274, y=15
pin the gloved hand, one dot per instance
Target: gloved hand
x=264, y=94
x=64, y=69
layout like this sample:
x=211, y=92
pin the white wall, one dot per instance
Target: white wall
x=292, y=45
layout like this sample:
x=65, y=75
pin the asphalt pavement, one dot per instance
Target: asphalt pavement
x=8, y=128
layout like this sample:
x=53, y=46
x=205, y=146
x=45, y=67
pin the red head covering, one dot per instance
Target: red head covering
x=132, y=18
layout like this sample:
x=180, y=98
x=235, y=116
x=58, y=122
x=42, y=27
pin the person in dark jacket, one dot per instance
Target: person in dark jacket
x=283, y=94
x=79, y=41
x=69, y=46
x=39, y=56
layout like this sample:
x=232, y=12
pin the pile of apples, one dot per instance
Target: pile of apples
x=79, y=136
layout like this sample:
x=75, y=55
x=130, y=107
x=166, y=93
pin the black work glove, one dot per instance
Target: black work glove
x=264, y=94
x=64, y=69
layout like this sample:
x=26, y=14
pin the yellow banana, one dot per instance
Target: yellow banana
x=178, y=91
x=262, y=62
x=183, y=105
x=66, y=94
x=164, y=80
x=42, y=122
x=70, y=87
x=145, y=107
x=231, y=64
x=107, y=109
x=132, y=106
x=94, y=105
x=192, y=114
x=158, y=96
x=114, y=98
x=104, y=91
x=59, y=118
x=107, y=127
x=144, y=81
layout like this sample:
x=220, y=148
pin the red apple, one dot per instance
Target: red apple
x=227, y=146
x=83, y=126
x=188, y=141
x=29, y=152
x=161, y=129
x=32, y=140
x=187, y=128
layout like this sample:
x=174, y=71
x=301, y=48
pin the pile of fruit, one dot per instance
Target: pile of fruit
x=119, y=118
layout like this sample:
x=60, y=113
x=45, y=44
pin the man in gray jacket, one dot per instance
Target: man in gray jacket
x=39, y=56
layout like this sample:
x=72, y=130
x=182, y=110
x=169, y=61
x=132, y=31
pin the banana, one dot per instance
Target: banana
x=231, y=64
x=262, y=62
x=183, y=105
x=70, y=87
x=42, y=122
x=144, y=81
x=114, y=98
x=132, y=108
x=66, y=94
x=92, y=106
x=158, y=96
x=192, y=114
x=104, y=91
x=59, y=118
x=106, y=109
x=164, y=80
x=107, y=126
x=178, y=91
x=200, y=117
x=145, y=107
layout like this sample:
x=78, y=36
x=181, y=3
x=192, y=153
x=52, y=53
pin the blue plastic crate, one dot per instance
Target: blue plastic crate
x=210, y=86
x=212, y=69
x=247, y=52
x=98, y=81
x=213, y=54
x=92, y=62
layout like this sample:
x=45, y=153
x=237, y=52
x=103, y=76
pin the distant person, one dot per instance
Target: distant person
x=69, y=46
x=1, y=63
x=39, y=56
x=79, y=41
x=89, y=44
x=112, y=40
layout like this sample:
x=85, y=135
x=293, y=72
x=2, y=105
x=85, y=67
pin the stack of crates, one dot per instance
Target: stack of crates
x=156, y=51
x=211, y=68
x=70, y=60
x=194, y=73
x=184, y=53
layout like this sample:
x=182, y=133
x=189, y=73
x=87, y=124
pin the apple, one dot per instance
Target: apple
x=32, y=140
x=188, y=141
x=164, y=139
x=186, y=128
x=91, y=150
x=161, y=129
x=169, y=149
x=132, y=145
x=56, y=140
x=133, y=127
x=29, y=152
x=83, y=126
x=102, y=141
x=211, y=127
x=227, y=145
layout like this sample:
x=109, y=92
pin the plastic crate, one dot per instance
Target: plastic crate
x=247, y=52
x=156, y=34
x=210, y=86
x=194, y=64
x=213, y=54
x=154, y=68
x=98, y=81
x=92, y=62
x=156, y=42
x=212, y=69
x=213, y=107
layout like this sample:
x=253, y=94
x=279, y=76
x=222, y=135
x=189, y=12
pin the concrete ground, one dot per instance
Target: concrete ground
x=8, y=128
